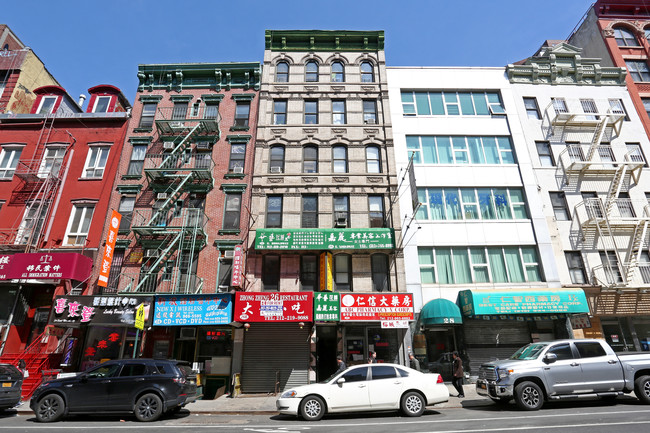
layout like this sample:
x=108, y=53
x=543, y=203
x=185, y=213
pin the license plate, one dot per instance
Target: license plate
x=482, y=386
x=6, y=384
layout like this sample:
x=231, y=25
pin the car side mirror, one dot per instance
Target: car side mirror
x=550, y=358
x=340, y=380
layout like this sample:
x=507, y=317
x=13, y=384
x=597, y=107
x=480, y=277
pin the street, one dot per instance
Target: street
x=585, y=416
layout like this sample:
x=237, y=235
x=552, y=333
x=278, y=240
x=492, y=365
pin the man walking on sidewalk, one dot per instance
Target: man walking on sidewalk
x=458, y=375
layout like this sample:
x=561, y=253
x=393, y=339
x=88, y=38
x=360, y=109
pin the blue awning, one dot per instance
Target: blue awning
x=439, y=312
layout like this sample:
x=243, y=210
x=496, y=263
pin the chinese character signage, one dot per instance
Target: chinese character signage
x=394, y=324
x=376, y=307
x=72, y=311
x=107, y=258
x=326, y=306
x=479, y=302
x=274, y=307
x=326, y=269
x=45, y=266
x=324, y=239
x=237, y=267
x=189, y=310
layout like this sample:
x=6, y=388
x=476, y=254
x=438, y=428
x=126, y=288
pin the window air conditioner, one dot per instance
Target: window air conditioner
x=151, y=252
x=276, y=169
x=177, y=124
x=203, y=145
x=341, y=222
x=229, y=254
x=238, y=169
x=187, y=334
x=168, y=145
x=161, y=196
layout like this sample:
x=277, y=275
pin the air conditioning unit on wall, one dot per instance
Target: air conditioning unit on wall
x=168, y=145
x=161, y=196
x=229, y=254
x=238, y=170
x=276, y=169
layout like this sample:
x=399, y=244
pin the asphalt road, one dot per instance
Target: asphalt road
x=627, y=416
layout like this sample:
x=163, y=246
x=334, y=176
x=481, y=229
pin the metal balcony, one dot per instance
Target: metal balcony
x=586, y=115
x=178, y=122
x=620, y=213
x=162, y=170
x=161, y=221
x=631, y=277
x=166, y=281
x=602, y=160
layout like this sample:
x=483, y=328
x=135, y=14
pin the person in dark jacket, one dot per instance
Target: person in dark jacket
x=457, y=381
x=372, y=358
x=341, y=363
x=413, y=362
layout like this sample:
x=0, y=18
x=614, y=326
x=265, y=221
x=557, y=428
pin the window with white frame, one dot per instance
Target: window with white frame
x=576, y=267
x=339, y=159
x=274, y=211
x=137, y=160
x=471, y=204
x=369, y=111
x=338, y=72
x=96, y=161
x=309, y=216
x=101, y=104
x=459, y=150
x=310, y=159
x=342, y=272
x=280, y=112
x=127, y=203
x=559, y=104
x=32, y=223
x=467, y=265
x=79, y=224
x=450, y=103
x=148, y=114
x=9, y=158
x=589, y=108
x=237, y=157
x=611, y=267
x=276, y=159
x=52, y=161
x=311, y=71
x=367, y=72
x=616, y=106
x=232, y=211
x=282, y=72
x=373, y=161
x=338, y=112
x=47, y=104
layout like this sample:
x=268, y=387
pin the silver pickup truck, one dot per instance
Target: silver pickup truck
x=564, y=369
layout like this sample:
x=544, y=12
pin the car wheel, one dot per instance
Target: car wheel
x=529, y=396
x=148, y=408
x=642, y=389
x=500, y=401
x=312, y=408
x=412, y=404
x=50, y=408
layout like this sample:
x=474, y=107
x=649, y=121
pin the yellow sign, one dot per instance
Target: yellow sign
x=139, y=317
x=326, y=273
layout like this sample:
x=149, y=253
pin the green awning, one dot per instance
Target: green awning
x=440, y=311
x=550, y=301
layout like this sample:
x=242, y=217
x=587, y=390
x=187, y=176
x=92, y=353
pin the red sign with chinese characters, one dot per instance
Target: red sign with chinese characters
x=374, y=307
x=237, y=267
x=46, y=266
x=274, y=307
x=107, y=258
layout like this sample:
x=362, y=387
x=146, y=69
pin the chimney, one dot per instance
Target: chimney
x=82, y=98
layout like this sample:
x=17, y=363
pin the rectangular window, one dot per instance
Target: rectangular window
x=459, y=150
x=369, y=111
x=52, y=161
x=611, y=268
x=212, y=111
x=30, y=227
x=280, y=112
x=635, y=153
x=376, y=211
x=408, y=104
x=137, y=160
x=338, y=112
x=559, y=104
x=309, y=272
x=270, y=272
x=96, y=161
x=232, y=211
x=342, y=272
x=242, y=111
x=616, y=106
x=202, y=160
x=339, y=159
x=179, y=111
x=471, y=204
x=423, y=103
x=545, y=153
x=274, y=211
x=148, y=114
x=532, y=109
x=379, y=268
x=127, y=203
x=560, y=209
x=79, y=224
x=237, y=157
x=638, y=70
x=115, y=272
x=9, y=161
x=646, y=105
x=225, y=273
x=47, y=104
x=101, y=104
x=311, y=112
x=576, y=267
x=309, y=217
x=593, y=205
x=341, y=211
x=589, y=108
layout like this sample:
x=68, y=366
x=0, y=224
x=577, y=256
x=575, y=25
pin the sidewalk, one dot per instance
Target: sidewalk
x=262, y=404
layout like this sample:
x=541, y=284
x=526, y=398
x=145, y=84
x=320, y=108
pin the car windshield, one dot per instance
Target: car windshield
x=331, y=377
x=531, y=351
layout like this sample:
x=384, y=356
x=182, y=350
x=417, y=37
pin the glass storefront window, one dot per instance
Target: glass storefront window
x=102, y=344
x=213, y=342
x=384, y=342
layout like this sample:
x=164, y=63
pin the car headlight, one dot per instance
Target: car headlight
x=502, y=374
x=289, y=394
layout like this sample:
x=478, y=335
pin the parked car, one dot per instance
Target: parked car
x=12, y=384
x=146, y=387
x=564, y=369
x=368, y=387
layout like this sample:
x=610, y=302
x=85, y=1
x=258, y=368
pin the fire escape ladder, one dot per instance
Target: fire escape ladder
x=615, y=188
x=597, y=138
x=608, y=240
x=165, y=253
x=175, y=155
x=178, y=190
x=636, y=248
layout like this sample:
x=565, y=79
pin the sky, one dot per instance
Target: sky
x=91, y=42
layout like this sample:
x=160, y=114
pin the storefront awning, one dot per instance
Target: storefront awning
x=440, y=311
x=486, y=302
x=45, y=266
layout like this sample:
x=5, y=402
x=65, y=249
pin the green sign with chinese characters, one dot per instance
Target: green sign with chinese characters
x=324, y=239
x=485, y=302
x=327, y=307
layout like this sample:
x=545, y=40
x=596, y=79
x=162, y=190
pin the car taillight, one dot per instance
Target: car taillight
x=180, y=380
x=440, y=379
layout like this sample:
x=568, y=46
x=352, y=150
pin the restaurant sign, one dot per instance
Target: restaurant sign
x=483, y=302
x=72, y=311
x=45, y=266
x=274, y=307
x=192, y=310
x=376, y=307
x=327, y=307
x=324, y=239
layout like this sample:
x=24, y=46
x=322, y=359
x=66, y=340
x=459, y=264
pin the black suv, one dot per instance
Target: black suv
x=12, y=382
x=146, y=387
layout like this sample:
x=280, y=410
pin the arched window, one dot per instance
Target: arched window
x=276, y=163
x=647, y=33
x=367, y=73
x=310, y=159
x=282, y=72
x=311, y=71
x=373, y=162
x=379, y=266
x=338, y=72
x=340, y=159
x=625, y=38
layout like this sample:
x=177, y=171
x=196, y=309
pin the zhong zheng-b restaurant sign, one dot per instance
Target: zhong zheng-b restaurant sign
x=274, y=307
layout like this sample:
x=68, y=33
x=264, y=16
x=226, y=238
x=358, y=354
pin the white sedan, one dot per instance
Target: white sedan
x=368, y=387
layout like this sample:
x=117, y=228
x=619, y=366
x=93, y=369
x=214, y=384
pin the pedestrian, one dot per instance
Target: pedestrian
x=22, y=366
x=341, y=364
x=372, y=358
x=414, y=363
x=457, y=381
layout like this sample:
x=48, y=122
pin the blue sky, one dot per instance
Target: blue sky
x=85, y=43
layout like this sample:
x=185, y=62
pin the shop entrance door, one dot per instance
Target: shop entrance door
x=441, y=342
x=355, y=345
x=325, y=352
x=184, y=349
